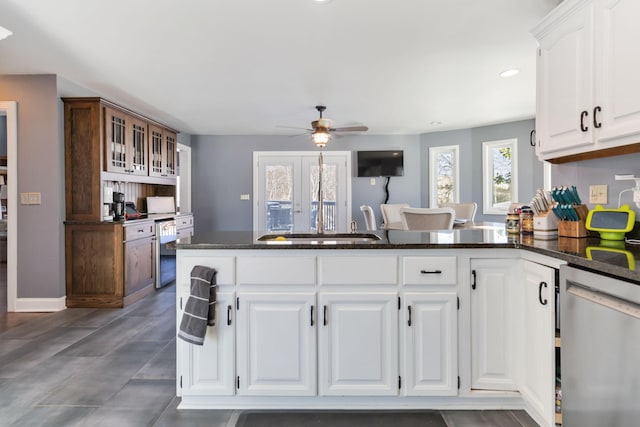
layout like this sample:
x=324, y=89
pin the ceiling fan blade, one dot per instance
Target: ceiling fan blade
x=294, y=127
x=350, y=129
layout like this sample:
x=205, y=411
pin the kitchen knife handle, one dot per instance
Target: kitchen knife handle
x=584, y=114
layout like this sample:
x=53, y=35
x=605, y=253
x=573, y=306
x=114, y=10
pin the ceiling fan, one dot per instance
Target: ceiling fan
x=321, y=129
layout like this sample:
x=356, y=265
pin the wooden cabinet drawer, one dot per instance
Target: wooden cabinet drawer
x=138, y=230
x=276, y=270
x=436, y=270
x=358, y=270
x=184, y=221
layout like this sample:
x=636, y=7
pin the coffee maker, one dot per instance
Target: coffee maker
x=118, y=206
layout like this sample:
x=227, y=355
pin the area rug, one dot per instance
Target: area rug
x=340, y=419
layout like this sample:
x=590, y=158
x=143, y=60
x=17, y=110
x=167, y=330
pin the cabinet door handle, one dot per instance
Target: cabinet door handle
x=409, y=320
x=596, y=123
x=311, y=315
x=324, y=312
x=228, y=315
x=532, y=138
x=542, y=284
x=431, y=272
x=584, y=114
x=473, y=279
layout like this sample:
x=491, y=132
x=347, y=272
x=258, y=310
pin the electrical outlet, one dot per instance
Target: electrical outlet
x=598, y=194
x=244, y=197
x=24, y=198
x=372, y=181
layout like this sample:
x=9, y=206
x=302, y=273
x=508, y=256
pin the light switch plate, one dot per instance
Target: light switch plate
x=244, y=197
x=34, y=198
x=598, y=194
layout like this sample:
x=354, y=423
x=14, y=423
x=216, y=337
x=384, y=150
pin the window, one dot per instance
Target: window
x=444, y=175
x=499, y=175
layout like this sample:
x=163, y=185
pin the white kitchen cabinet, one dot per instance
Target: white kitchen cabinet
x=537, y=378
x=276, y=340
x=209, y=369
x=358, y=343
x=429, y=325
x=588, y=95
x=494, y=305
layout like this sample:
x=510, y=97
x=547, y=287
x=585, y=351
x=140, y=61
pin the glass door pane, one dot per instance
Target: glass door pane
x=329, y=193
x=279, y=192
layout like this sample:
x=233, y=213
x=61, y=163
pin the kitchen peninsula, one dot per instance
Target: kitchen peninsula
x=454, y=319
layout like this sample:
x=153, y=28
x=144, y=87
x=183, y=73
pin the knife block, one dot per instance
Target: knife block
x=575, y=229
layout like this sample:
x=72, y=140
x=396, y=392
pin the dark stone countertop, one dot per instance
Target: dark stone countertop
x=616, y=259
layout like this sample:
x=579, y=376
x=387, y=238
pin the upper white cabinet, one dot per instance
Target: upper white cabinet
x=588, y=97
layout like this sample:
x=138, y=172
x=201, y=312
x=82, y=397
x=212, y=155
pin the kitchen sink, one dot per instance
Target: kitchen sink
x=315, y=238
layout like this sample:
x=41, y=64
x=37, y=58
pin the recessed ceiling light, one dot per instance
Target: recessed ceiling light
x=4, y=33
x=322, y=1
x=509, y=73
x=435, y=123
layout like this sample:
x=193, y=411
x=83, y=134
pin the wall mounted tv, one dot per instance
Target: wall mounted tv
x=380, y=163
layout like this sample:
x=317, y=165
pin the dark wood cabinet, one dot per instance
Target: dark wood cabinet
x=163, y=152
x=111, y=264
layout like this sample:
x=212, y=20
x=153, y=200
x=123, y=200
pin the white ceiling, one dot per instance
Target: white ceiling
x=251, y=66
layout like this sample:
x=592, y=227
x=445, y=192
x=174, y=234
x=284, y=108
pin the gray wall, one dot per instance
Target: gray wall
x=530, y=169
x=40, y=267
x=222, y=170
x=600, y=171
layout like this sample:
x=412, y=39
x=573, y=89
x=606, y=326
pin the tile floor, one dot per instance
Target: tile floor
x=116, y=367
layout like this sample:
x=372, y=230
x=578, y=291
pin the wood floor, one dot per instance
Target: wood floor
x=116, y=367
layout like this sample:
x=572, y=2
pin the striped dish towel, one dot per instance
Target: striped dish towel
x=200, y=309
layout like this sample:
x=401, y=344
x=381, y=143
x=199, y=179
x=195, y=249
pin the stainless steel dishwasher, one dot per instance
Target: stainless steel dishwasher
x=600, y=355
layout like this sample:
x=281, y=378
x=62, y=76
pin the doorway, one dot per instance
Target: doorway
x=285, y=191
x=8, y=109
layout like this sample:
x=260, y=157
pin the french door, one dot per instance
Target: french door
x=285, y=191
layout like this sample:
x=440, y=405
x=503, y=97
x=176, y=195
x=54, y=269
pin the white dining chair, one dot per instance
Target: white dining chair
x=427, y=218
x=369, y=217
x=391, y=219
x=465, y=210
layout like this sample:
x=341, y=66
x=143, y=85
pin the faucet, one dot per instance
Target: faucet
x=320, y=211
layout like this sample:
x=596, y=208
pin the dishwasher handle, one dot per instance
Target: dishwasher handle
x=612, y=302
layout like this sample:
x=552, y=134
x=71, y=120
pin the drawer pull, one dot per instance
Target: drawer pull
x=430, y=271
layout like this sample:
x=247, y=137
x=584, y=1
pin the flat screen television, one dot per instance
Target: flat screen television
x=380, y=163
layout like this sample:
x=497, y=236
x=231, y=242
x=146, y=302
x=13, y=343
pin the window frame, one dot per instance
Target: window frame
x=488, y=208
x=434, y=153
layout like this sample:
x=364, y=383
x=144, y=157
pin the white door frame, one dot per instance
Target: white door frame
x=10, y=108
x=185, y=181
x=257, y=155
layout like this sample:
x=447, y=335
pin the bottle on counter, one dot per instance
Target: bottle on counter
x=512, y=223
x=526, y=221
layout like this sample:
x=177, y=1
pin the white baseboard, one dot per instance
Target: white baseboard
x=40, y=304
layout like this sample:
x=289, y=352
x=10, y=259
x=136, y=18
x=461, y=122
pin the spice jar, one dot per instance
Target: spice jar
x=512, y=223
x=526, y=221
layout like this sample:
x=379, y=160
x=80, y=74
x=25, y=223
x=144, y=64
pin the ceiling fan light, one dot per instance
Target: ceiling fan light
x=320, y=138
x=4, y=33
